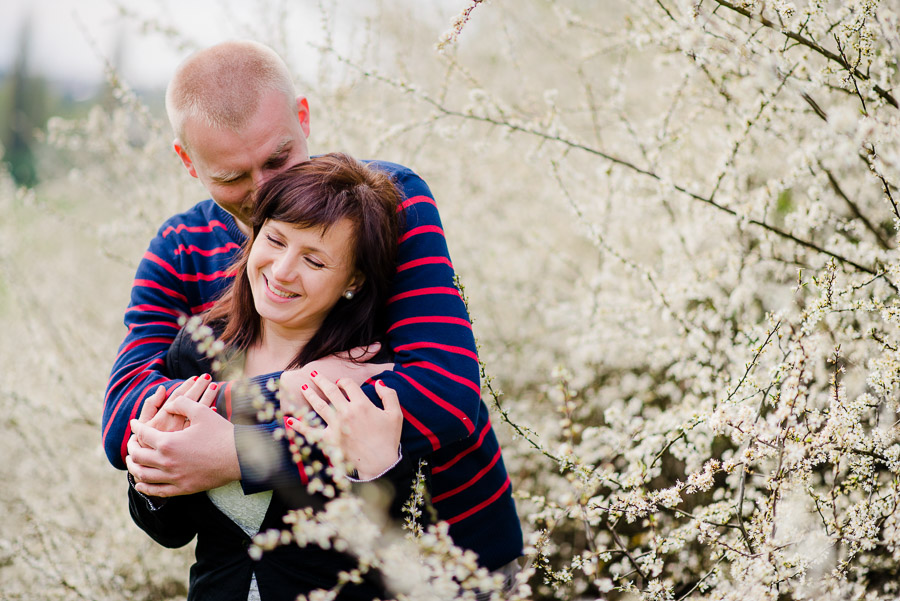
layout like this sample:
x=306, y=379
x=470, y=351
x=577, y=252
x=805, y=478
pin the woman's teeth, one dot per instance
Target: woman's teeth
x=281, y=293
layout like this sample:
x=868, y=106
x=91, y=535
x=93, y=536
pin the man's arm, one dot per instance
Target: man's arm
x=184, y=268
x=436, y=372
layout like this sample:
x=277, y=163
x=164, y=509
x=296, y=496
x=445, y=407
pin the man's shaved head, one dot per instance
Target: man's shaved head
x=221, y=86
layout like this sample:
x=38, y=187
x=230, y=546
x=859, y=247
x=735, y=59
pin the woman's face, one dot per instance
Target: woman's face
x=297, y=274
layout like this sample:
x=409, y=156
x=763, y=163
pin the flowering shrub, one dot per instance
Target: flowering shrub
x=676, y=223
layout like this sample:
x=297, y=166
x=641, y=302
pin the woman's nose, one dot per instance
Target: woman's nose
x=282, y=269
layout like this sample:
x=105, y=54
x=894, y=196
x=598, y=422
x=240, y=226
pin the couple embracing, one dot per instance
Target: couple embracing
x=303, y=268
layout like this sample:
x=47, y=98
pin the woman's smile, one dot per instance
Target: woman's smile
x=279, y=292
x=297, y=274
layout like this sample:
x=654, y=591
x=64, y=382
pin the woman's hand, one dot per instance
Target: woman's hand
x=368, y=437
x=348, y=364
x=154, y=413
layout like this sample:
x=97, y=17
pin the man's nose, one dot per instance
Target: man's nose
x=259, y=177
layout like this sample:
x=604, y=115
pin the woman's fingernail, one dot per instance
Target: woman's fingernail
x=213, y=386
x=289, y=421
x=206, y=377
x=314, y=374
x=379, y=382
x=304, y=387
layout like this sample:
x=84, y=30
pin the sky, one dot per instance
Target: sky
x=71, y=39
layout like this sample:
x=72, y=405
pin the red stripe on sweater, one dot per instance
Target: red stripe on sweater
x=128, y=375
x=187, y=277
x=202, y=308
x=422, y=229
x=424, y=261
x=142, y=370
x=431, y=319
x=196, y=229
x=446, y=374
x=480, y=506
x=436, y=345
x=206, y=253
x=435, y=443
x=475, y=446
x=423, y=292
x=163, y=289
x=416, y=200
x=441, y=403
x=167, y=340
x=153, y=309
x=471, y=480
x=143, y=324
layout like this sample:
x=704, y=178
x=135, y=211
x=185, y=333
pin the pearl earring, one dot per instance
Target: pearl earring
x=348, y=295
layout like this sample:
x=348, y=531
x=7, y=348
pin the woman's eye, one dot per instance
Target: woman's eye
x=274, y=240
x=314, y=263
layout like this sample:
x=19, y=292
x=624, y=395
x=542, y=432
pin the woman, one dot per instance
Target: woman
x=312, y=281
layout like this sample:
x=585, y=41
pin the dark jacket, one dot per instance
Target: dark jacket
x=224, y=568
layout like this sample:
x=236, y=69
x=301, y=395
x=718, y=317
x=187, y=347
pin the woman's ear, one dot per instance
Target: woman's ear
x=356, y=282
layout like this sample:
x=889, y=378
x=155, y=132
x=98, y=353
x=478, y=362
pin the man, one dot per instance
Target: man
x=237, y=121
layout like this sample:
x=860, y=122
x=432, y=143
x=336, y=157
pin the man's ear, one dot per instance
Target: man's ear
x=303, y=113
x=185, y=159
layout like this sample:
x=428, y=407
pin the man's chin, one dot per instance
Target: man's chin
x=242, y=217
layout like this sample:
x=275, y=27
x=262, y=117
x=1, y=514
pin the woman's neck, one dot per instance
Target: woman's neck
x=276, y=349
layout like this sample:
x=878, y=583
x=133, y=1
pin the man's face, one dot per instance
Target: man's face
x=232, y=165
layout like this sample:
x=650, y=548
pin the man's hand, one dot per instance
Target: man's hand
x=197, y=458
x=333, y=367
x=368, y=437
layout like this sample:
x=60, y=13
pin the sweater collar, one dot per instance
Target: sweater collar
x=230, y=224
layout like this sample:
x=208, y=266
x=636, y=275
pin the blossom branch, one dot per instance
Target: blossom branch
x=759, y=18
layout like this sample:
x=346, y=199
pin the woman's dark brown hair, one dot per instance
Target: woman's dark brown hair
x=319, y=193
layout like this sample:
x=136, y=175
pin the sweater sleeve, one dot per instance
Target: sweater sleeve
x=183, y=269
x=436, y=373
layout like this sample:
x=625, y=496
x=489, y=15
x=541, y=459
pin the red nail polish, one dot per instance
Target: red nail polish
x=304, y=387
x=213, y=386
x=206, y=377
x=314, y=374
x=380, y=383
x=289, y=421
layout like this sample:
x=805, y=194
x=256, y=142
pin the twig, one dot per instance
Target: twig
x=521, y=128
x=812, y=46
x=618, y=540
x=854, y=208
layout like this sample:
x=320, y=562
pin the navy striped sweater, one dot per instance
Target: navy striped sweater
x=436, y=372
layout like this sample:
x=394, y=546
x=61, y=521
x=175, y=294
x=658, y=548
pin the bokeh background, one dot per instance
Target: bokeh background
x=675, y=222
